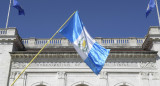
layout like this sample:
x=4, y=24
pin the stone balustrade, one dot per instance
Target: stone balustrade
x=106, y=42
x=9, y=31
x=3, y=31
x=122, y=41
x=58, y=42
x=131, y=42
x=39, y=43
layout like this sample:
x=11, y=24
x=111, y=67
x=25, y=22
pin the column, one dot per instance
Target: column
x=20, y=81
x=154, y=79
x=152, y=43
x=145, y=79
x=12, y=77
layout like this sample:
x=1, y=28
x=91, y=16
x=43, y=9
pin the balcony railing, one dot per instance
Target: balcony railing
x=107, y=42
x=3, y=31
x=9, y=31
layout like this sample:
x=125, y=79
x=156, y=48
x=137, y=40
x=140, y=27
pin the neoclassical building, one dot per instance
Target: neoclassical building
x=131, y=62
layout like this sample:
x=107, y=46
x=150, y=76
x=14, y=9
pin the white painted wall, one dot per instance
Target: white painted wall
x=5, y=59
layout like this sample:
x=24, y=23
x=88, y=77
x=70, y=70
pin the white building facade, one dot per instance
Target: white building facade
x=131, y=62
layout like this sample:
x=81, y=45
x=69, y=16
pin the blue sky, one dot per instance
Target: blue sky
x=102, y=18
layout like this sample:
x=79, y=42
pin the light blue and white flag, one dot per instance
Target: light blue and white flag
x=18, y=7
x=93, y=54
x=151, y=5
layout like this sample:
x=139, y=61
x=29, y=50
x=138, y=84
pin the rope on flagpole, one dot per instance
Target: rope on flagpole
x=42, y=49
x=157, y=12
x=8, y=13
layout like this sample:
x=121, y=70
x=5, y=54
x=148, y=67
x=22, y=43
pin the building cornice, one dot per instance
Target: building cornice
x=112, y=54
x=11, y=36
x=152, y=36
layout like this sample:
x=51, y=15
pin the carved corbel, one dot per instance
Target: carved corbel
x=145, y=76
x=61, y=75
x=103, y=75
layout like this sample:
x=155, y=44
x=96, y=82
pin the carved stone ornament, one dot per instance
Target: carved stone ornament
x=12, y=75
x=103, y=75
x=150, y=65
x=61, y=75
x=18, y=65
x=145, y=76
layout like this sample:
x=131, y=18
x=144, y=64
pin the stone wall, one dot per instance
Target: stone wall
x=9, y=41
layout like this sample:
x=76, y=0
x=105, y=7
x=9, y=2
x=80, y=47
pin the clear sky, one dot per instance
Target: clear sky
x=102, y=18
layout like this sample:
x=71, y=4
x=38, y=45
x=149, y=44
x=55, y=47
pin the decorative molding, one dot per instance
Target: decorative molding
x=150, y=65
x=121, y=65
x=15, y=74
x=12, y=75
x=140, y=65
x=73, y=54
x=150, y=75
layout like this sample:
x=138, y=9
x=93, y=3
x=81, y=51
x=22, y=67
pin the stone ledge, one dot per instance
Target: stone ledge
x=113, y=54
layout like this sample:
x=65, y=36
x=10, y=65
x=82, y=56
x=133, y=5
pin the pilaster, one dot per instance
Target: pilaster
x=20, y=81
x=152, y=43
x=61, y=78
x=150, y=79
x=103, y=77
x=9, y=41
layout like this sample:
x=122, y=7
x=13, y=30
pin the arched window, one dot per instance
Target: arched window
x=40, y=85
x=123, y=84
x=82, y=85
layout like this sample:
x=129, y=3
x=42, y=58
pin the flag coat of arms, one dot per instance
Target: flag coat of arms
x=93, y=54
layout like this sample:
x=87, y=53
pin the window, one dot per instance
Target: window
x=40, y=85
x=82, y=85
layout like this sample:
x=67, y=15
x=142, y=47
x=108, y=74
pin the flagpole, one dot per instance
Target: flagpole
x=8, y=13
x=42, y=49
x=157, y=12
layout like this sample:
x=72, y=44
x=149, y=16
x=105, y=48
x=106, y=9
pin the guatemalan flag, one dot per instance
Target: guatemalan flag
x=18, y=7
x=151, y=5
x=93, y=54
